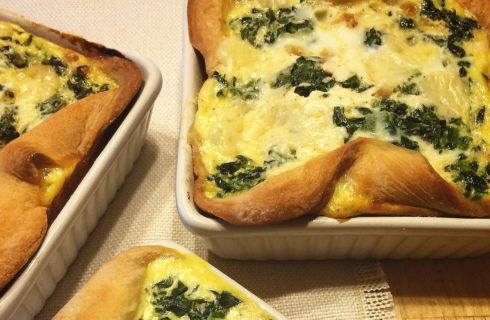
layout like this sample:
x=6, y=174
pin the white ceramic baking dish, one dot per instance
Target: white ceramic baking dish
x=69, y=231
x=317, y=237
x=253, y=297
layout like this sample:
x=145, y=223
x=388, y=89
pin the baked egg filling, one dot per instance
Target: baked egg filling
x=38, y=78
x=297, y=79
x=186, y=288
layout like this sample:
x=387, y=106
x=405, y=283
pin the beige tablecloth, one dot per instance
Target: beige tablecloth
x=144, y=209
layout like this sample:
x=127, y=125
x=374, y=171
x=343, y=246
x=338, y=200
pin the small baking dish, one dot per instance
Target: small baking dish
x=317, y=237
x=26, y=295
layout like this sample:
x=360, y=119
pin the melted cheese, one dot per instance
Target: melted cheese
x=52, y=181
x=229, y=126
x=196, y=274
x=35, y=81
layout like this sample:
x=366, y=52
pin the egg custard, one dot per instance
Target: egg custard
x=154, y=282
x=56, y=101
x=341, y=108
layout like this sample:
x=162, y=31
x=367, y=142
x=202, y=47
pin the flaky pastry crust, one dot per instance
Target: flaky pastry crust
x=114, y=291
x=390, y=180
x=69, y=138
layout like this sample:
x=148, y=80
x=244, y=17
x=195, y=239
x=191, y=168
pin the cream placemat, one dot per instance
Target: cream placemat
x=144, y=209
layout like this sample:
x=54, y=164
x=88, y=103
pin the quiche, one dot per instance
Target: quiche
x=341, y=108
x=57, y=103
x=155, y=282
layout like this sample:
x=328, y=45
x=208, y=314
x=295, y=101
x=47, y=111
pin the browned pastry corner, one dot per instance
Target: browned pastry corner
x=114, y=291
x=391, y=180
x=69, y=138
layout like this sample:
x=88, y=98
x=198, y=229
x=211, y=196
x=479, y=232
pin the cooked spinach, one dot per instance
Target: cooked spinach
x=406, y=142
x=355, y=84
x=171, y=296
x=237, y=175
x=8, y=120
x=425, y=124
x=407, y=23
x=408, y=88
x=223, y=83
x=373, y=38
x=468, y=174
x=277, y=158
x=351, y=125
x=242, y=173
x=51, y=105
x=81, y=86
x=480, y=117
x=79, y=83
x=247, y=91
x=58, y=65
x=463, y=68
x=460, y=28
x=14, y=58
x=266, y=26
x=306, y=75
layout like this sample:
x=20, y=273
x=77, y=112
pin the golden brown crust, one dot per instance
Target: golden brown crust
x=66, y=139
x=114, y=291
x=206, y=28
x=391, y=180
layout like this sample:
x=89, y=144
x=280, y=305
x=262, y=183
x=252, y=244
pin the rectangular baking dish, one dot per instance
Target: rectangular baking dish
x=69, y=231
x=317, y=237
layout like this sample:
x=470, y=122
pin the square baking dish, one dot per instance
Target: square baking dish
x=316, y=237
x=26, y=296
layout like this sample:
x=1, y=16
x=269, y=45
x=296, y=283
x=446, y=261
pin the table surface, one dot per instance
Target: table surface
x=440, y=289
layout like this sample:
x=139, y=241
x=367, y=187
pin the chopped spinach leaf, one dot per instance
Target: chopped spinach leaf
x=355, y=84
x=461, y=28
x=372, y=38
x=223, y=83
x=169, y=298
x=472, y=179
x=58, y=65
x=364, y=110
x=405, y=142
x=247, y=91
x=14, y=58
x=463, y=66
x=407, y=23
x=409, y=88
x=438, y=40
x=351, y=125
x=424, y=123
x=276, y=158
x=238, y=175
x=8, y=120
x=480, y=117
x=79, y=83
x=51, y=105
x=242, y=174
x=306, y=75
x=266, y=26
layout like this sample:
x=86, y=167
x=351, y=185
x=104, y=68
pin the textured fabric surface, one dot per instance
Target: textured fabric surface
x=144, y=209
